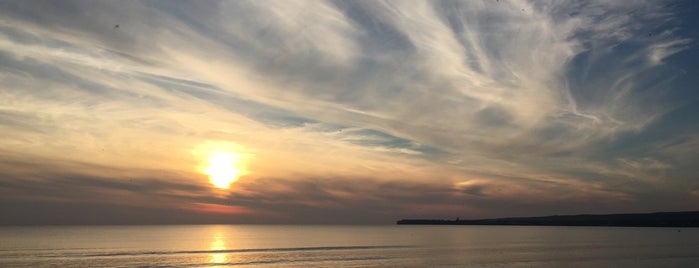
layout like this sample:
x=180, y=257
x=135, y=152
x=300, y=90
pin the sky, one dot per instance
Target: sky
x=345, y=112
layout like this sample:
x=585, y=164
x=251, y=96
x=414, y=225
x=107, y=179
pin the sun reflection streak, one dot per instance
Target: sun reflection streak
x=218, y=244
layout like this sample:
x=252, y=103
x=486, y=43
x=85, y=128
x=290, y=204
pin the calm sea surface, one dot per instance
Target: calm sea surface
x=346, y=246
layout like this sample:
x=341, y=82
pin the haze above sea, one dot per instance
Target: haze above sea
x=346, y=246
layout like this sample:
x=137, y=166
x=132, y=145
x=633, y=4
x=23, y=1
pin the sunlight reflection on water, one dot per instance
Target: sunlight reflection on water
x=218, y=244
x=346, y=246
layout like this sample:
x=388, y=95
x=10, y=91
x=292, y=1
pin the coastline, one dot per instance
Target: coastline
x=656, y=219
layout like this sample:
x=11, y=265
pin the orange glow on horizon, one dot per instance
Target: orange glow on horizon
x=219, y=209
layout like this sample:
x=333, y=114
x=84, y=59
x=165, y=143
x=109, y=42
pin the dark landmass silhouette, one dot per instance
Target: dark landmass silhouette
x=657, y=219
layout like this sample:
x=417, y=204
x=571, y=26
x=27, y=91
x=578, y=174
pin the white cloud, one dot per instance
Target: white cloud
x=497, y=88
x=658, y=52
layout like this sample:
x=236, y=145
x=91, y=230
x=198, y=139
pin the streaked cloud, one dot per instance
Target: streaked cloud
x=440, y=108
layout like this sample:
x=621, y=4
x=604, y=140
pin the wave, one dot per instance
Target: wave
x=334, y=260
x=247, y=250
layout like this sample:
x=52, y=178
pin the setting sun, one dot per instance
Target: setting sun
x=222, y=169
x=224, y=163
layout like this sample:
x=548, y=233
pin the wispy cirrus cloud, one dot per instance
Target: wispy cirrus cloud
x=470, y=96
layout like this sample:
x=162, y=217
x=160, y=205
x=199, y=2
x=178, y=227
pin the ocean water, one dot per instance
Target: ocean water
x=346, y=246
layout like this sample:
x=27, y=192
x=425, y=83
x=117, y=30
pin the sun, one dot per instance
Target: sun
x=224, y=163
x=223, y=169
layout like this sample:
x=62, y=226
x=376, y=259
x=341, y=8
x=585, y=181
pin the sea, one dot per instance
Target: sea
x=346, y=246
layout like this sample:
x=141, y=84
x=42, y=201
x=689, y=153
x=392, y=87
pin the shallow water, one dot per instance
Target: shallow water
x=346, y=246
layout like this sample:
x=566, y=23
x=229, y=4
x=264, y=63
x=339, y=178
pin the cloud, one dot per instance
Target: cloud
x=466, y=96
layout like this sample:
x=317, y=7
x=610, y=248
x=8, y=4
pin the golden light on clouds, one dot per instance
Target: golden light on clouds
x=340, y=122
x=223, y=162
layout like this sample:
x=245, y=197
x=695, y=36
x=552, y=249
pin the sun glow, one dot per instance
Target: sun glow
x=222, y=169
x=223, y=163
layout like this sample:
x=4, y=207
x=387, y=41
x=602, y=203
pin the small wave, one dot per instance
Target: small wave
x=147, y=253
x=283, y=261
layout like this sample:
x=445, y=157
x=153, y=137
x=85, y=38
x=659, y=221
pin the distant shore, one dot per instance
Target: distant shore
x=657, y=219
